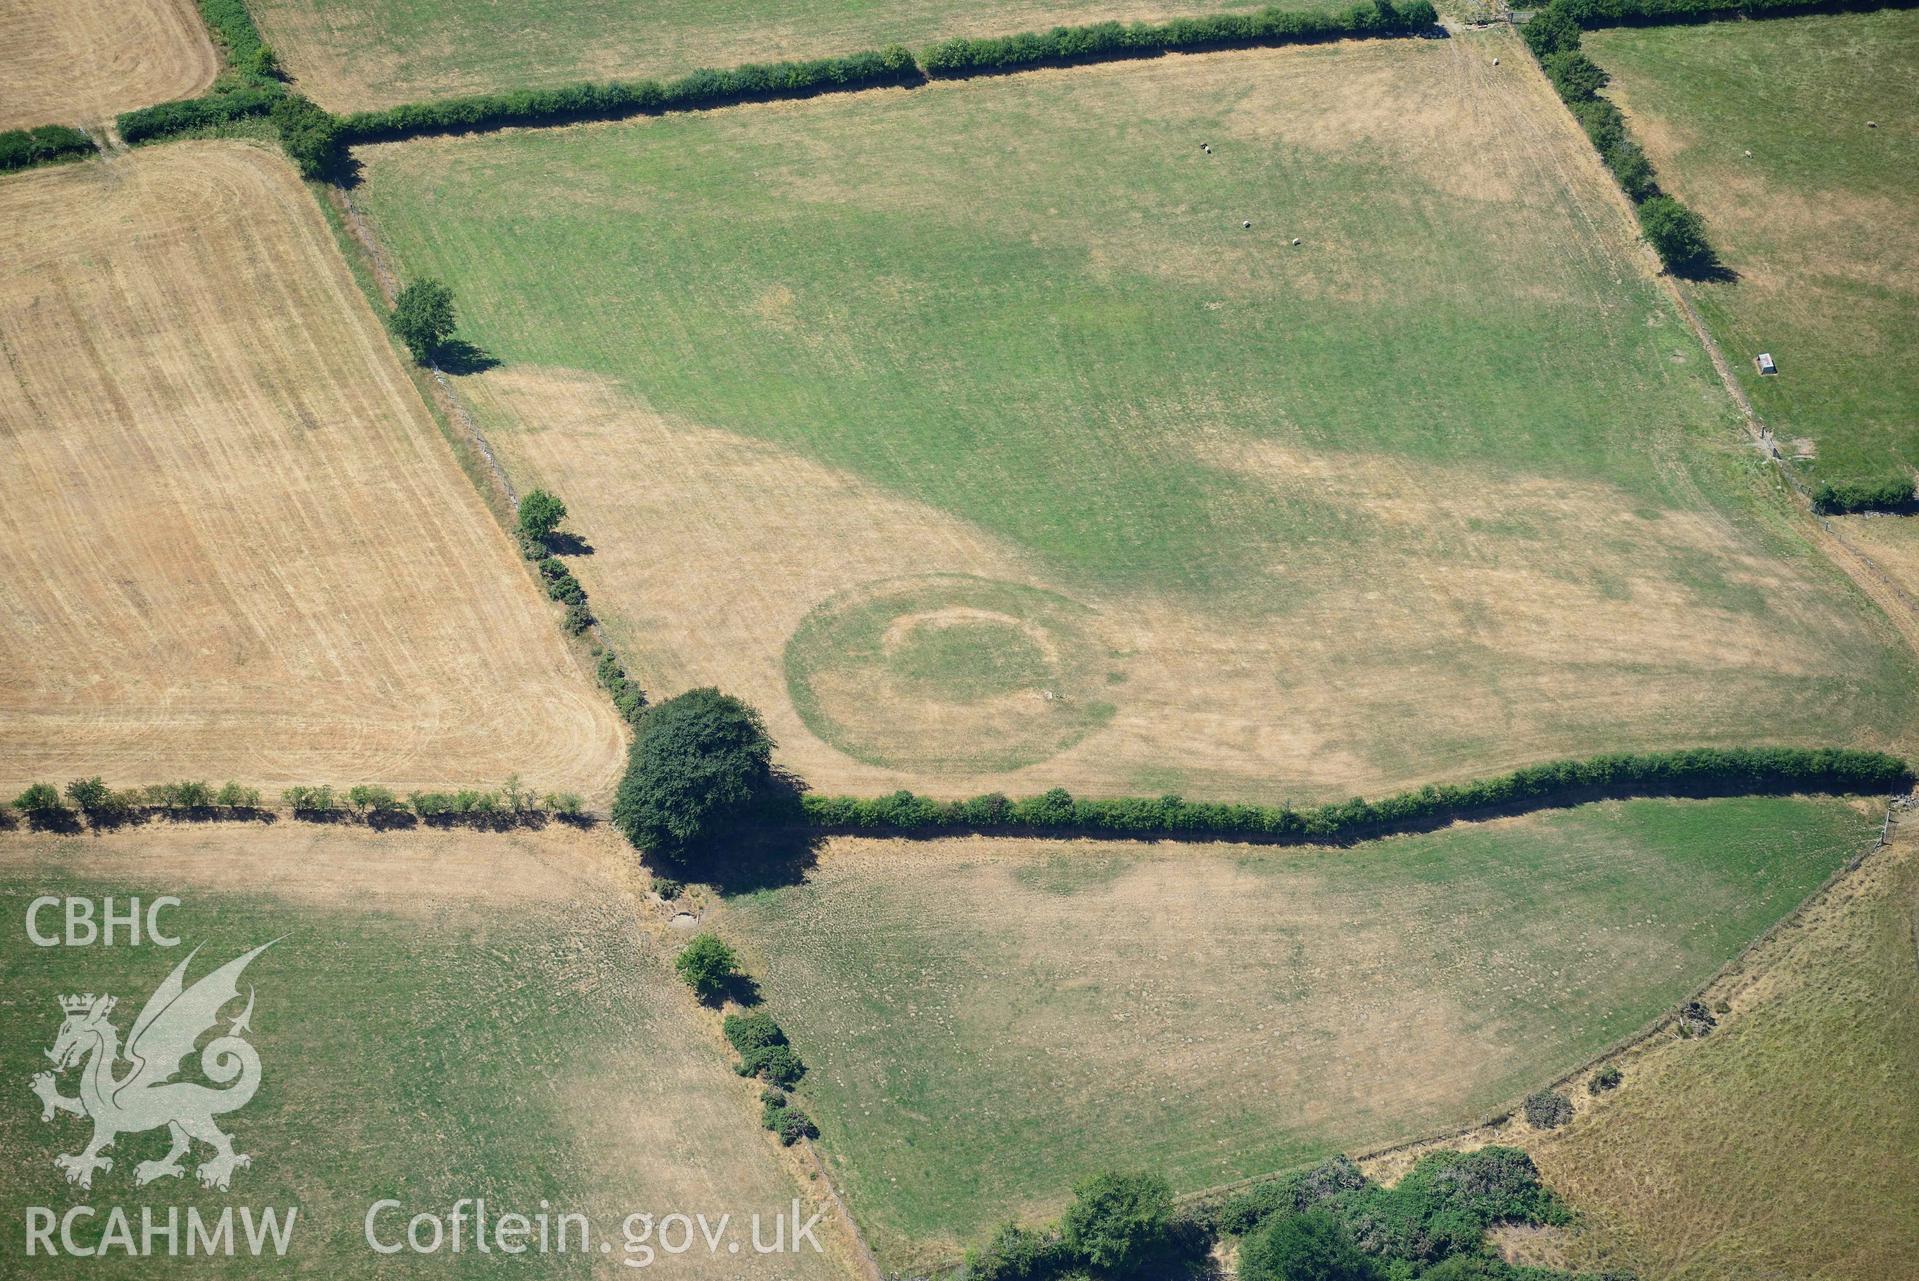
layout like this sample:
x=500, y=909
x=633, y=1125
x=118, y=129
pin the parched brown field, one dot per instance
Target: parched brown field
x=444, y=1014
x=232, y=543
x=78, y=62
x=1781, y=1145
x=1333, y=518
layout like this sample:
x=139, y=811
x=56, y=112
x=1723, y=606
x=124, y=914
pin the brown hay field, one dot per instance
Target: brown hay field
x=895, y=414
x=79, y=62
x=232, y=542
x=444, y=1014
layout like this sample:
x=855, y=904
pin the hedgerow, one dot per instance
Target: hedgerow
x=1887, y=493
x=145, y=124
x=971, y=56
x=247, y=52
x=20, y=148
x=1635, y=13
x=1701, y=771
x=608, y=101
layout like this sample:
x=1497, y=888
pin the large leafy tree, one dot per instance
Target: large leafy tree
x=1120, y=1224
x=699, y=764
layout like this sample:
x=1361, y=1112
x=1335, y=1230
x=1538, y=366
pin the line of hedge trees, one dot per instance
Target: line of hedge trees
x=1675, y=232
x=1694, y=772
x=1884, y=493
x=1623, y=13
x=1099, y=41
x=45, y=806
x=21, y=148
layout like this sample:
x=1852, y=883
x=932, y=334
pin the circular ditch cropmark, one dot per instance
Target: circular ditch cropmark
x=948, y=674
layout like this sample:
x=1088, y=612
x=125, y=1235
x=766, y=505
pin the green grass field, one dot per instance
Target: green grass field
x=1445, y=488
x=987, y=1021
x=358, y=54
x=434, y=1023
x=1780, y=1146
x=1821, y=222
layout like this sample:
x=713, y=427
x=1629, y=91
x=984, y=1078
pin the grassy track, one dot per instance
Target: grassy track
x=231, y=543
x=1782, y=1144
x=445, y=1016
x=1444, y=489
x=987, y=1021
x=359, y=54
x=1821, y=222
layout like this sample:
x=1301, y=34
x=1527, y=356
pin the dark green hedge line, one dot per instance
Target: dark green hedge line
x=20, y=148
x=246, y=50
x=145, y=124
x=753, y=82
x=1674, y=231
x=1890, y=493
x=1696, y=772
x=1633, y=13
x=971, y=56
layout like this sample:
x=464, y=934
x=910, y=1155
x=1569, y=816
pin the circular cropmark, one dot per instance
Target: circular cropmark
x=948, y=674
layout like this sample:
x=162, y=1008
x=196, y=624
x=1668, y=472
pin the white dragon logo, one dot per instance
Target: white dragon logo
x=146, y=1096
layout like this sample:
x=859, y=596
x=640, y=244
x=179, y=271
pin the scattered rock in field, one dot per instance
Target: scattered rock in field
x=1696, y=1020
x=1295, y=239
x=1495, y=62
x=1247, y=223
x=1872, y=124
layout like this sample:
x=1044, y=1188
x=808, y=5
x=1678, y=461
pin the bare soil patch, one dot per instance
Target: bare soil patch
x=232, y=543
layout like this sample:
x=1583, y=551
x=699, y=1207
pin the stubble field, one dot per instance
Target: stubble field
x=443, y=1016
x=988, y=1020
x=1820, y=222
x=232, y=543
x=79, y=62
x=968, y=433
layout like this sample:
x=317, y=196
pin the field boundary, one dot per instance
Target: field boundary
x=1691, y=773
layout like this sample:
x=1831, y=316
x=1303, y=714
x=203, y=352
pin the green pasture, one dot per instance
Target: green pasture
x=987, y=1023
x=1820, y=222
x=355, y=54
x=450, y=1053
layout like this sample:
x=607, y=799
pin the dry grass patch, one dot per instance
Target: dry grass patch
x=80, y=62
x=987, y=1020
x=232, y=544
x=1780, y=1145
x=445, y=1015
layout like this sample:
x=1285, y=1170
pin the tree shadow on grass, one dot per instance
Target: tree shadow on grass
x=458, y=357
x=566, y=543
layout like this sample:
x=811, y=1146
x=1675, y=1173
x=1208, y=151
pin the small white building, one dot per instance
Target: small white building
x=1763, y=362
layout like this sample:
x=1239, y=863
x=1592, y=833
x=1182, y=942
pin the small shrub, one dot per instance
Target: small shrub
x=100, y=803
x=40, y=803
x=540, y=515
x=1309, y=1246
x=708, y=966
x=565, y=805
x=576, y=619
x=1677, y=235
x=1547, y=1109
x=368, y=800
x=795, y=1125
x=1606, y=1078
x=1120, y=1223
x=777, y=1064
x=1017, y=1254
x=423, y=318
x=749, y=1032
x=310, y=800
x=235, y=797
